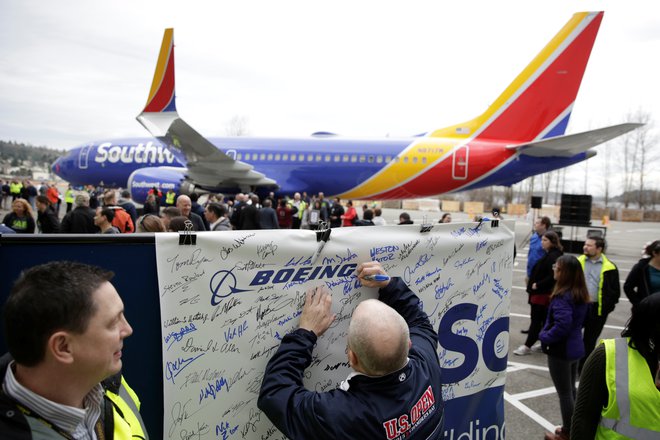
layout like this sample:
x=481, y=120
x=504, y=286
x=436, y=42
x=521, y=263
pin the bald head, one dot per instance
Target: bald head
x=184, y=204
x=379, y=338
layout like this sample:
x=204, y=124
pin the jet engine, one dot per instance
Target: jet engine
x=164, y=178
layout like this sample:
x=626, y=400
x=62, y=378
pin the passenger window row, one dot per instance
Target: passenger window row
x=345, y=158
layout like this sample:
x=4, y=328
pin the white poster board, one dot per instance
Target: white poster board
x=227, y=301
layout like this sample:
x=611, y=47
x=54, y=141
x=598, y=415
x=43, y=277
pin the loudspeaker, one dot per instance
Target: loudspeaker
x=537, y=202
x=575, y=210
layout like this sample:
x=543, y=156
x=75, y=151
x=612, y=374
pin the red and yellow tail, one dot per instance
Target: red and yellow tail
x=538, y=103
x=161, y=96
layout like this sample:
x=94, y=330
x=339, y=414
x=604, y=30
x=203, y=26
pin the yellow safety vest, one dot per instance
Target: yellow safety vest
x=15, y=188
x=169, y=198
x=69, y=196
x=607, y=265
x=127, y=421
x=301, y=209
x=633, y=406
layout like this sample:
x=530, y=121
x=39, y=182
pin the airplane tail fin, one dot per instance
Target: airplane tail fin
x=161, y=96
x=538, y=103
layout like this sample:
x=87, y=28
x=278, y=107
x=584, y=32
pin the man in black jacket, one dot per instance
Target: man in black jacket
x=184, y=204
x=602, y=278
x=47, y=220
x=81, y=219
x=394, y=391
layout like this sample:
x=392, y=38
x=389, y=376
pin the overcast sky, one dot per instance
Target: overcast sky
x=76, y=71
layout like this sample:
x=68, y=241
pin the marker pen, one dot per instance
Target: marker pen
x=377, y=277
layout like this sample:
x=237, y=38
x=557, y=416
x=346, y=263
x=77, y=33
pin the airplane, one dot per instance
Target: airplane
x=521, y=134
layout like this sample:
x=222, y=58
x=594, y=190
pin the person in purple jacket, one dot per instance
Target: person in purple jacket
x=561, y=338
x=394, y=389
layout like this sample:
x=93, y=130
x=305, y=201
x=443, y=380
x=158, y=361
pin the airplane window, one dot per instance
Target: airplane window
x=247, y=156
x=379, y=159
x=388, y=159
x=301, y=158
x=396, y=159
x=239, y=156
x=327, y=157
x=415, y=159
x=337, y=158
x=362, y=158
x=278, y=156
x=310, y=158
x=405, y=159
x=353, y=157
x=318, y=158
x=285, y=157
x=424, y=159
x=293, y=158
x=262, y=156
x=370, y=159
x=344, y=158
x=270, y=157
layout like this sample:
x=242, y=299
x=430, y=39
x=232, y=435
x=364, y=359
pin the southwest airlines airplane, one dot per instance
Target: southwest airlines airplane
x=520, y=135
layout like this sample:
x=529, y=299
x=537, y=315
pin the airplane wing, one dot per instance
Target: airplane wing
x=207, y=165
x=572, y=144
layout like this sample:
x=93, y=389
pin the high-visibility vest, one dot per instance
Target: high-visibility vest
x=169, y=197
x=69, y=196
x=127, y=421
x=607, y=265
x=15, y=188
x=633, y=406
x=301, y=209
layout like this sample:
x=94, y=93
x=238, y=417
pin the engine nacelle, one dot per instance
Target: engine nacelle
x=164, y=178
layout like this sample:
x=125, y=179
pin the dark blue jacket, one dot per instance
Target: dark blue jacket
x=408, y=401
x=562, y=335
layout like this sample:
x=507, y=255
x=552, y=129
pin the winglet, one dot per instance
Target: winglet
x=161, y=96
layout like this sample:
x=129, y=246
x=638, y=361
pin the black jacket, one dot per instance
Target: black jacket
x=80, y=220
x=48, y=222
x=542, y=273
x=638, y=283
x=335, y=215
x=408, y=400
x=198, y=223
x=23, y=225
x=249, y=218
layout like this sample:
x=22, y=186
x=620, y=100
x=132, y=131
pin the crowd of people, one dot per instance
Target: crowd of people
x=570, y=299
x=95, y=210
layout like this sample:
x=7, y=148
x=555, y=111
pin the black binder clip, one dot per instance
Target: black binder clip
x=481, y=221
x=322, y=237
x=188, y=236
x=426, y=226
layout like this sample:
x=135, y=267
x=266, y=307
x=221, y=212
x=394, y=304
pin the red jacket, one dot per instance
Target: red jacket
x=350, y=216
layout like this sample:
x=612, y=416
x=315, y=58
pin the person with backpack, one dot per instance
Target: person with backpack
x=122, y=220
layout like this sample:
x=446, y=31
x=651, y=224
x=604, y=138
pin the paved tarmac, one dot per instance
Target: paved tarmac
x=531, y=403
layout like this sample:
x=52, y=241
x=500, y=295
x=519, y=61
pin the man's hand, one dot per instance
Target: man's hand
x=316, y=314
x=371, y=268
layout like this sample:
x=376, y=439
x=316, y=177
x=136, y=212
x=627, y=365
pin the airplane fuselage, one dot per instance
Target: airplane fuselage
x=350, y=168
